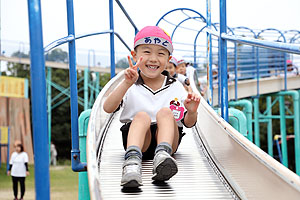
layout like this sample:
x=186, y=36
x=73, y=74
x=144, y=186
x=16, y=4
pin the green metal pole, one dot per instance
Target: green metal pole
x=97, y=83
x=283, y=131
x=86, y=88
x=297, y=130
x=270, y=131
x=256, y=122
x=237, y=120
x=247, y=109
x=49, y=73
x=83, y=185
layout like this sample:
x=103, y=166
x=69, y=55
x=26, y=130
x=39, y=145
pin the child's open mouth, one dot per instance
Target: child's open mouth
x=152, y=67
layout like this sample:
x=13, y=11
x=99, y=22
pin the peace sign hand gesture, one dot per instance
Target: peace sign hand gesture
x=131, y=74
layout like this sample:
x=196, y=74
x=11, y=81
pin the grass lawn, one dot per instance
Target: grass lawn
x=63, y=181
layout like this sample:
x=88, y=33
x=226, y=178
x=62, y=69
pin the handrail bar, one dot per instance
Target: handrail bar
x=70, y=38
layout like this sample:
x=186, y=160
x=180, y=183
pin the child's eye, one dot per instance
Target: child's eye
x=161, y=54
x=146, y=51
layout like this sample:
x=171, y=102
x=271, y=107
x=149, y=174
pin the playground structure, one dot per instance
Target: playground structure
x=14, y=116
x=264, y=164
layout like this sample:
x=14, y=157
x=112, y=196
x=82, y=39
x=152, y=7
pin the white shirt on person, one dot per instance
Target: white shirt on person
x=139, y=97
x=18, y=161
x=182, y=79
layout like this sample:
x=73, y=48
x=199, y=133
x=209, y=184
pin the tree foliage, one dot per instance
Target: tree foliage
x=122, y=63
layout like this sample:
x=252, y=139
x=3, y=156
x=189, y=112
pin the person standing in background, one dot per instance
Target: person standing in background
x=53, y=154
x=18, y=169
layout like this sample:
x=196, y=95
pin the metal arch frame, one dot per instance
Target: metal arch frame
x=178, y=25
x=181, y=9
x=228, y=28
x=296, y=38
x=209, y=52
x=289, y=31
x=246, y=28
x=272, y=29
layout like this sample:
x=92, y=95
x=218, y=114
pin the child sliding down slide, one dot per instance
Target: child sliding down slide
x=155, y=108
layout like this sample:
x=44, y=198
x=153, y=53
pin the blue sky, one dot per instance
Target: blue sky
x=92, y=15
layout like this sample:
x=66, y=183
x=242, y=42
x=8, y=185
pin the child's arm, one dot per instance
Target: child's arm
x=114, y=99
x=191, y=104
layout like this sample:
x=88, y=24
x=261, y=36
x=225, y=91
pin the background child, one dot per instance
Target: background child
x=184, y=68
x=155, y=107
x=171, y=68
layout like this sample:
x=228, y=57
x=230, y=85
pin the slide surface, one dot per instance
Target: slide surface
x=215, y=162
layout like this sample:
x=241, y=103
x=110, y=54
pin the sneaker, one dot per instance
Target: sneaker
x=132, y=173
x=164, y=166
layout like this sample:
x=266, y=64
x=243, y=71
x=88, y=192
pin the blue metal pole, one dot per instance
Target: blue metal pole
x=39, y=103
x=257, y=71
x=223, y=55
x=209, y=53
x=112, y=41
x=75, y=152
x=285, y=73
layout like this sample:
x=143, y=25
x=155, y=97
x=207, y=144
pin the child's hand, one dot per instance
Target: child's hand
x=131, y=74
x=191, y=103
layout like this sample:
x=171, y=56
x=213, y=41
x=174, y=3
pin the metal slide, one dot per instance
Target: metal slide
x=215, y=162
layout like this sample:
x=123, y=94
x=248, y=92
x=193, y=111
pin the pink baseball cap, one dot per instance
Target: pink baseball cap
x=153, y=35
x=289, y=62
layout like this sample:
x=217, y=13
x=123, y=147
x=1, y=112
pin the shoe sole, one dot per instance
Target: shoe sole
x=131, y=184
x=165, y=170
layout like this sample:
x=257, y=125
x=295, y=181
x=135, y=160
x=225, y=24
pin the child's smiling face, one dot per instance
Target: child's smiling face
x=155, y=59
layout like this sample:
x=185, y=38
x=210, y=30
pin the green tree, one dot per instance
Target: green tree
x=18, y=69
x=57, y=55
x=122, y=63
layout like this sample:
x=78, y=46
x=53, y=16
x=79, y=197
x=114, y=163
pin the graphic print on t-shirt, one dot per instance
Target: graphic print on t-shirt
x=176, y=109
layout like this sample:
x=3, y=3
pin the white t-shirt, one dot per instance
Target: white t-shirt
x=18, y=161
x=139, y=97
x=182, y=79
